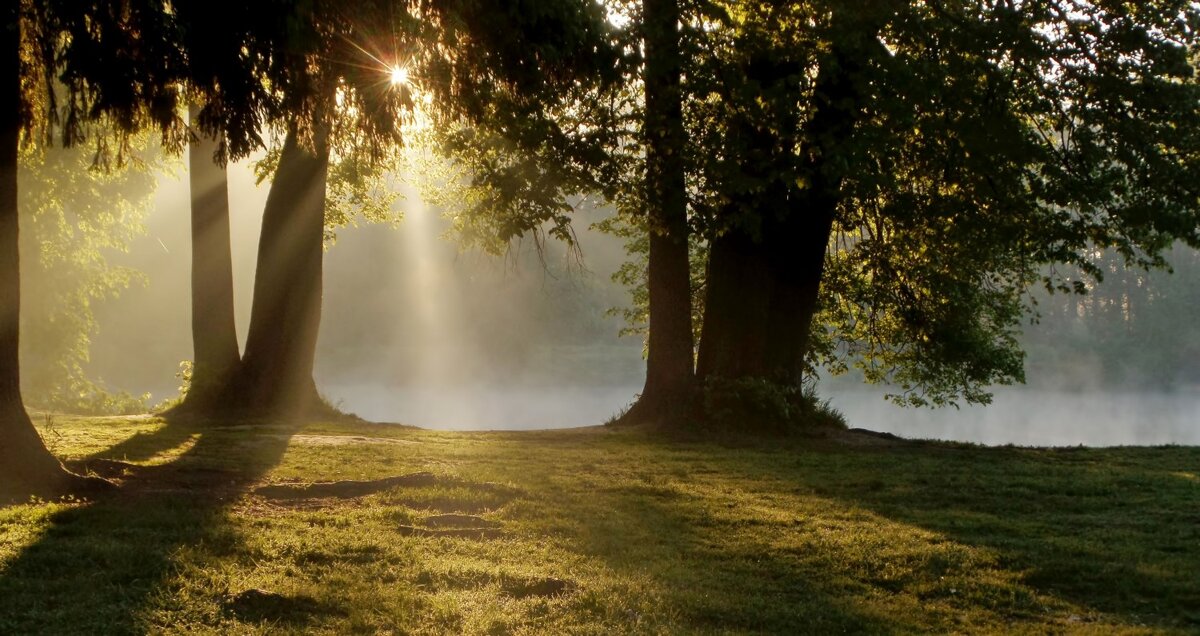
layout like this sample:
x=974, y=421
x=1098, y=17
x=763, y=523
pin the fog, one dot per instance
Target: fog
x=414, y=330
x=417, y=331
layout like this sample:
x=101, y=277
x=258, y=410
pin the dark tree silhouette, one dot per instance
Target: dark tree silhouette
x=468, y=60
x=276, y=370
x=889, y=179
x=670, y=352
x=214, y=331
x=880, y=184
x=26, y=466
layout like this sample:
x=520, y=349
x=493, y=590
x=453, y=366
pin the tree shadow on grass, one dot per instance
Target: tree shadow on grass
x=1114, y=532
x=142, y=446
x=99, y=565
x=703, y=580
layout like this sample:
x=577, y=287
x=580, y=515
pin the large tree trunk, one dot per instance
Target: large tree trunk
x=737, y=305
x=669, y=364
x=764, y=293
x=26, y=467
x=214, y=332
x=275, y=377
x=797, y=248
x=797, y=262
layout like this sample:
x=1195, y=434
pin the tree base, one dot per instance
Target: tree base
x=237, y=403
x=48, y=485
x=663, y=410
x=28, y=469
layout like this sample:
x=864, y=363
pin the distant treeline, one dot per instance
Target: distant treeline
x=1134, y=329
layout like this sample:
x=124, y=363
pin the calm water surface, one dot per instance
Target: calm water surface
x=485, y=407
x=1029, y=417
x=1022, y=417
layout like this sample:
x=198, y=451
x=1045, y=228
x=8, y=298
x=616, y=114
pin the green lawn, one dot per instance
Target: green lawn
x=598, y=531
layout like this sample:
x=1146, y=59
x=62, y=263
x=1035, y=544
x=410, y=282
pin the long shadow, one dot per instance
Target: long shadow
x=708, y=581
x=1115, y=531
x=143, y=446
x=100, y=564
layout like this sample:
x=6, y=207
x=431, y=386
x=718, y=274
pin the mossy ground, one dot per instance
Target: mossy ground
x=599, y=531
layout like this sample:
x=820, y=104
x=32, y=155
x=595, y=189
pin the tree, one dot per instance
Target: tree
x=27, y=467
x=622, y=137
x=880, y=184
x=891, y=178
x=96, y=56
x=276, y=372
x=465, y=59
x=765, y=266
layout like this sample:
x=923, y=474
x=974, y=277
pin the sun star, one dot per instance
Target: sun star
x=399, y=75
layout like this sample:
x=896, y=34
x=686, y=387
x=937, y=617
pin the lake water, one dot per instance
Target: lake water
x=1028, y=417
x=485, y=407
x=1017, y=416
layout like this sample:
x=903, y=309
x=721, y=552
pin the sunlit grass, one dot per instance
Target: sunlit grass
x=596, y=531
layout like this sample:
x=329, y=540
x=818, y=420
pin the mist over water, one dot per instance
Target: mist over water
x=421, y=333
x=489, y=407
x=415, y=331
x=1029, y=417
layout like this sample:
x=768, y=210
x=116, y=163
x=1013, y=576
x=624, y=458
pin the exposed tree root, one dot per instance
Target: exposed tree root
x=61, y=484
x=106, y=468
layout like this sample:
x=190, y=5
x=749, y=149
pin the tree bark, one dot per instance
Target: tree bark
x=670, y=356
x=26, y=466
x=214, y=331
x=797, y=248
x=764, y=293
x=797, y=268
x=275, y=376
x=733, y=342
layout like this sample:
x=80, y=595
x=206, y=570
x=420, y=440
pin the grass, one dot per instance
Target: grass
x=599, y=531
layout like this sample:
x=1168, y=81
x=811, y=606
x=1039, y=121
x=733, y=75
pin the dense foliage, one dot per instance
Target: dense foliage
x=74, y=217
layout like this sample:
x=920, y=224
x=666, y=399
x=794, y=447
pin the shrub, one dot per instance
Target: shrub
x=759, y=404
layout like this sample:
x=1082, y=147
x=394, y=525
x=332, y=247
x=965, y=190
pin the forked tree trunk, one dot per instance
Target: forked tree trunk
x=26, y=467
x=276, y=373
x=214, y=332
x=669, y=364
